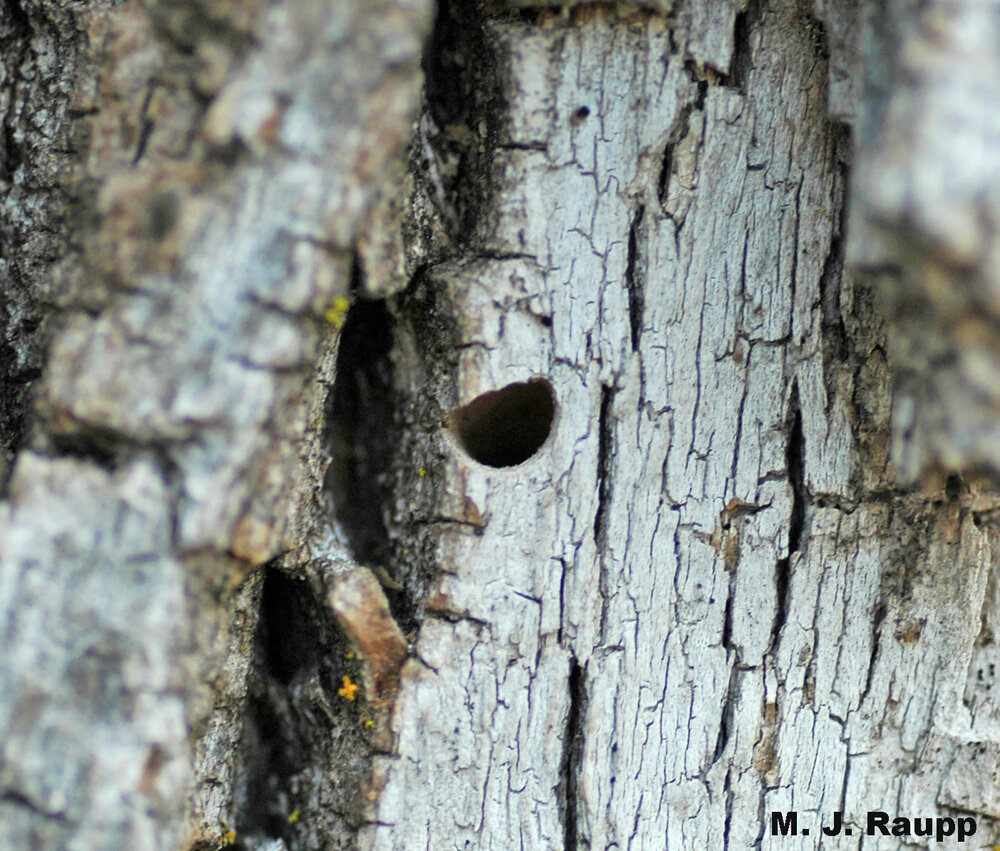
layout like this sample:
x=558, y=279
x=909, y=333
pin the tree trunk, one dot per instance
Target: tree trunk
x=512, y=454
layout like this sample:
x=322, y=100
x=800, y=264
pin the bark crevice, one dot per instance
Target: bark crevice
x=305, y=718
x=605, y=453
x=795, y=468
x=572, y=756
x=741, y=63
x=360, y=433
x=633, y=282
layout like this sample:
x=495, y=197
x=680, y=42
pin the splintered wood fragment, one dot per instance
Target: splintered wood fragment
x=362, y=610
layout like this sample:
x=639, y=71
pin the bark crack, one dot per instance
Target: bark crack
x=795, y=464
x=605, y=450
x=633, y=282
x=19, y=799
x=305, y=713
x=839, y=346
x=742, y=61
x=677, y=135
x=146, y=123
x=572, y=755
x=877, y=621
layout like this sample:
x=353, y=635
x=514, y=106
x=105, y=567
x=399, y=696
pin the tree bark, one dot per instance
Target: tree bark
x=535, y=426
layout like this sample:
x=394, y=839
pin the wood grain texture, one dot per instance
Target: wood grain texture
x=707, y=597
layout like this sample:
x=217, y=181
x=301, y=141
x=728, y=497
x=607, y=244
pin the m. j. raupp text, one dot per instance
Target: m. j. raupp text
x=880, y=824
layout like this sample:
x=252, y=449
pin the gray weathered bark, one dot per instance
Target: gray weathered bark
x=720, y=546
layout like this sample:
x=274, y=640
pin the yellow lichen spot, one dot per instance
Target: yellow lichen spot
x=349, y=690
x=349, y=654
x=229, y=837
x=422, y=473
x=337, y=312
x=294, y=816
x=369, y=724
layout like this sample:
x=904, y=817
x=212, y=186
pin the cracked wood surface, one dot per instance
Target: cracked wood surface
x=713, y=535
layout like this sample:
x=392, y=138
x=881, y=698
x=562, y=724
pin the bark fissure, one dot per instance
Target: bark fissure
x=839, y=345
x=878, y=619
x=146, y=124
x=19, y=799
x=360, y=431
x=573, y=755
x=677, y=135
x=633, y=282
x=605, y=454
x=794, y=462
x=302, y=718
x=726, y=716
x=796, y=476
x=741, y=63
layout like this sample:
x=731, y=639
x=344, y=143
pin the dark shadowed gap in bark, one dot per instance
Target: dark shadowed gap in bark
x=105, y=448
x=450, y=83
x=726, y=718
x=876, y=646
x=953, y=487
x=795, y=458
x=146, y=128
x=666, y=167
x=286, y=636
x=677, y=135
x=605, y=447
x=742, y=61
x=632, y=282
x=796, y=475
x=359, y=430
x=572, y=755
x=298, y=725
x=838, y=341
x=386, y=423
x=460, y=93
x=727, y=621
x=305, y=723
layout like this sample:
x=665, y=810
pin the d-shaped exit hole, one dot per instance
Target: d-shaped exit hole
x=507, y=426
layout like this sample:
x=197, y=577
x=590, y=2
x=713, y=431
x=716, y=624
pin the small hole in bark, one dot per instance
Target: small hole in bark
x=288, y=635
x=953, y=487
x=583, y=112
x=505, y=427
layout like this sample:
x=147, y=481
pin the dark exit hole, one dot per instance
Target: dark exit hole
x=507, y=426
x=287, y=626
